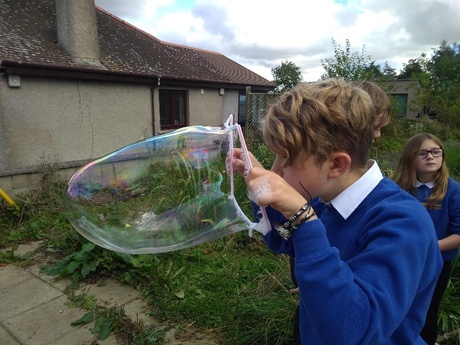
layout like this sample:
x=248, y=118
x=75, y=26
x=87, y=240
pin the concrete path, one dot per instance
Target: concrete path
x=33, y=308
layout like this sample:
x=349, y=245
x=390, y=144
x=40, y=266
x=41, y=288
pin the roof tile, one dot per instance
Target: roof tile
x=29, y=36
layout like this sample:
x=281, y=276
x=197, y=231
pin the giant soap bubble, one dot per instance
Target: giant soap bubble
x=161, y=194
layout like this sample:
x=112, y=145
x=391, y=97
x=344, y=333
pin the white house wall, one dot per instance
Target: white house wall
x=64, y=120
x=208, y=108
x=230, y=105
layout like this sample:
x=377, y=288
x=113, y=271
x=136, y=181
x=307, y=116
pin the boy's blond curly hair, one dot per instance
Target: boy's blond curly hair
x=380, y=101
x=320, y=118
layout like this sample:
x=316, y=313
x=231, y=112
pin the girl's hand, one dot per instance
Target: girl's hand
x=268, y=188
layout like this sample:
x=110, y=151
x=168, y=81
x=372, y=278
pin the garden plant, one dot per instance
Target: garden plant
x=232, y=287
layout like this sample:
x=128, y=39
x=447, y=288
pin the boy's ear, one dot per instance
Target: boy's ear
x=340, y=164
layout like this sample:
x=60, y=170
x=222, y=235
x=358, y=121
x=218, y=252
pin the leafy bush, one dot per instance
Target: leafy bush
x=233, y=285
x=263, y=155
x=449, y=312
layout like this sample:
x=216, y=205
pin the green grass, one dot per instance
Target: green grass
x=233, y=286
x=449, y=317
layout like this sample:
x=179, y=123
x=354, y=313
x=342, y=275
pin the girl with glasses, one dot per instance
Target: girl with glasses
x=422, y=171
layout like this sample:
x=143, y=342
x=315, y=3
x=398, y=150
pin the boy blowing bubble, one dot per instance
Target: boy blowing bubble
x=366, y=258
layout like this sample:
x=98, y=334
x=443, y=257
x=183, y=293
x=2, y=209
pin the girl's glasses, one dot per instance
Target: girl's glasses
x=434, y=152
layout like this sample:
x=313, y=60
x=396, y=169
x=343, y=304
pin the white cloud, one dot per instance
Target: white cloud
x=261, y=34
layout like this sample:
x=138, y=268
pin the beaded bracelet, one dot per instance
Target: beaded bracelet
x=303, y=220
x=285, y=230
x=296, y=215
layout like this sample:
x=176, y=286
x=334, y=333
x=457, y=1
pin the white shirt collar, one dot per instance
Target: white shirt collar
x=428, y=184
x=347, y=201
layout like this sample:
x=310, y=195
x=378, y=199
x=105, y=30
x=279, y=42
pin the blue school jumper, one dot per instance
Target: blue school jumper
x=368, y=277
x=445, y=214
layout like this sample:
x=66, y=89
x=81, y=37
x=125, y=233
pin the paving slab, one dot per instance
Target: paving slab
x=33, y=309
x=111, y=293
x=38, y=261
x=50, y=323
x=6, y=338
x=36, y=270
x=28, y=249
x=136, y=310
x=20, y=292
x=82, y=339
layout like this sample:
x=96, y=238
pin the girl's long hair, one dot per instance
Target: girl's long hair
x=405, y=173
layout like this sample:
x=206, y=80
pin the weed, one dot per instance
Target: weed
x=108, y=320
x=78, y=265
x=8, y=256
x=449, y=315
x=233, y=284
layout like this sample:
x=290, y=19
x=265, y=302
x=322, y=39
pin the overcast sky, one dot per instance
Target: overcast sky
x=260, y=34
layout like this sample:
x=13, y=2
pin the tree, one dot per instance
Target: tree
x=445, y=63
x=439, y=78
x=286, y=76
x=417, y=70
x=414, y=68
x=389, y=72
x=350, y=65
x=444, y=69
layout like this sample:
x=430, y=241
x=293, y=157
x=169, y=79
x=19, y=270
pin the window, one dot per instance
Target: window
x=173, y=109
x=242, y=108
x=400, y=104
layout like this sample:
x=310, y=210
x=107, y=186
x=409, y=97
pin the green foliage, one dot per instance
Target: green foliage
x=86, y=259
x=388, y=72
x=387, y=149
x=444, y=69
x=8, y=256
x=414, y=68
x=354, y=65
x=78, y=264
x=261, y=320
x=263, y=155
x=108, y=320
x=234, y=284
x=191, y=288
x=38, y=215
x=266, y=317
x=286, y=76
x=102, y=326
x=445, y=63
x=97, y=314
x=449, y=315
x=439, y=78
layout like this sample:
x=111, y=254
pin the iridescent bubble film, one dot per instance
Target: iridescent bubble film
x=162, y=194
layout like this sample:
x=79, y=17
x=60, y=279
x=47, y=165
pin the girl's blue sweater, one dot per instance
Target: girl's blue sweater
x=367, y=279
x=446, y=214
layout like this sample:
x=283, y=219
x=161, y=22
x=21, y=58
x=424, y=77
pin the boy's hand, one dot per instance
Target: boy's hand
x=236, y=159
x=268, y=188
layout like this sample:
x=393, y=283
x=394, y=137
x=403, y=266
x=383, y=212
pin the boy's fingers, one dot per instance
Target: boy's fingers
x=293, y=291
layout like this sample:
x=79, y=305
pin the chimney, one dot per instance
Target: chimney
x=77, y=30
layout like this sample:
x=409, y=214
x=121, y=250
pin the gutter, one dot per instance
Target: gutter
x=10, y=67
